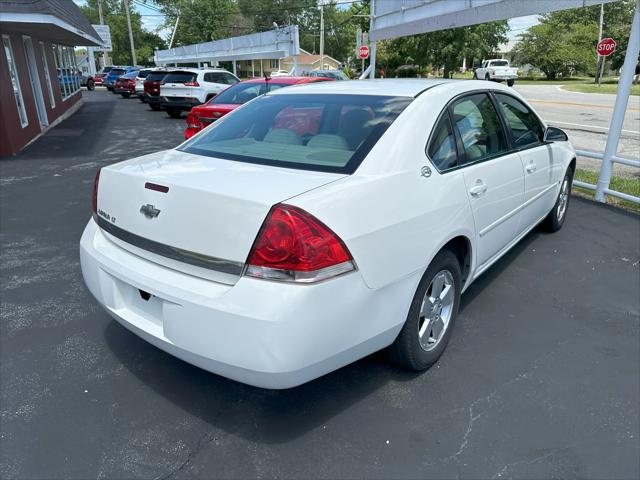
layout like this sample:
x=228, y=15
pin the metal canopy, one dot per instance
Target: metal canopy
x=278, y=43
x=396, y=18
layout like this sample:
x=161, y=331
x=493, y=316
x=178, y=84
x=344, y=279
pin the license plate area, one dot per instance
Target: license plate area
x=142, y=303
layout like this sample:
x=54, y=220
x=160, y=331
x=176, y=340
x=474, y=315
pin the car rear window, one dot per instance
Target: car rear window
x=180, y=77
x=500, y=63
x=329, y=133
x=116, y=71
x=155, y=76
x=144, y=73
x=131, y=75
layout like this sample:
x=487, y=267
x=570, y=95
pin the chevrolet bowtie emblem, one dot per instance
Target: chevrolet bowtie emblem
x=149, y=211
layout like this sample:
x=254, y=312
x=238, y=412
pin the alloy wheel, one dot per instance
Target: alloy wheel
x=563, y=199
x=436, y=310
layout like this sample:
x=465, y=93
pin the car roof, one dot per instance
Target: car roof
x=386, y=87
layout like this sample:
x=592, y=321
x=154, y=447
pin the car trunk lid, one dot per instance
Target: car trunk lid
x=173, y=84
x=209, y=216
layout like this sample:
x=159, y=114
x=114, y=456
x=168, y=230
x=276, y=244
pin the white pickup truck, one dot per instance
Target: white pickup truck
x=496, y=70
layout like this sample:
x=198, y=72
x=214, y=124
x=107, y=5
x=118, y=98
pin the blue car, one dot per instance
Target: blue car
x=115, y=72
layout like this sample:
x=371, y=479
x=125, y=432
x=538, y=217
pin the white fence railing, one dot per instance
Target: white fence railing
x=600, y=156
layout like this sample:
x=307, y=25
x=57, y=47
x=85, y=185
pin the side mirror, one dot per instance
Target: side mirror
x=553, y=134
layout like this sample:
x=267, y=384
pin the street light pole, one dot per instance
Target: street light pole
x=133, y=49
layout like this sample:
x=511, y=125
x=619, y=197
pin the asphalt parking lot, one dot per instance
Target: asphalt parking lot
x=541, y=378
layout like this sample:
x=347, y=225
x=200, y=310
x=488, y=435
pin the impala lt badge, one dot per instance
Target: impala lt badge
x=149, y=211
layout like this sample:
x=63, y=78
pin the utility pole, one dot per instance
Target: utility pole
x=322, y=35
x=133, y=49
x=105, y=56
x=601, y=60
x=175, y=29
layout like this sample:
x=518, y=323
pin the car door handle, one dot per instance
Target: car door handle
x=478, y=190
x=532, y=167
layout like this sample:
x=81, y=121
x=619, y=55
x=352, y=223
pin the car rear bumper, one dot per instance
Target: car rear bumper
x=504, y=77
x=152, y=99
x=267, y=334
x=124, y=90
x=185, y=105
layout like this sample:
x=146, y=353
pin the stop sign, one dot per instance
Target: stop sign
x=363, y=51
x=606, y=47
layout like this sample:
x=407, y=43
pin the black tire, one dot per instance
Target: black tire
x=91, y=85
x=487, y=77
x=142, y=99
x=407, y=350
x=125, y=95
x=511, y=82
x=475, y=76
x=173, y=113
x=154, y=106
x=554, y=221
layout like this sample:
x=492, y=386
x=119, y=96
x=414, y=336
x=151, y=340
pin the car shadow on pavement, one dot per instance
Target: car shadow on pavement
x=270, y=416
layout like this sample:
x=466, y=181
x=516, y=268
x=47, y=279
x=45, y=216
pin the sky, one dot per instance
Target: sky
x=152, y=20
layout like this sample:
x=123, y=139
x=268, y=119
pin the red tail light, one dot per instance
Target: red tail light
x=294, y=246
x=193, y=121
x=191, y=84
x=94, y=202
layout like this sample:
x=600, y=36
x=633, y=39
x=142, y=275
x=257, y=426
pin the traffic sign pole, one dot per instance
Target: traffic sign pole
x=605, y=47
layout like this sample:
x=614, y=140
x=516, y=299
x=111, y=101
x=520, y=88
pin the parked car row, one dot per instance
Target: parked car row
x=206, y=93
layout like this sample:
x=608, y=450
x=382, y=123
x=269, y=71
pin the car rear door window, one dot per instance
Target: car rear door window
x=442, y=147
x=478, y=125
x=526, y=129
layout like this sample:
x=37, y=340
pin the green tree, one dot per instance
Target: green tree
x=115, y=16
x=444, y=48
x=564, y=42
x=203, y=20
x=617, y=24
x=559, y=49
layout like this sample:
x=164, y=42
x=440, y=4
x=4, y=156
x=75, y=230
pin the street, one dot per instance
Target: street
x=541, y=378
x=586, y=118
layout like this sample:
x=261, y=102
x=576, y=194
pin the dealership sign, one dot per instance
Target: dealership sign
x=105, y=35
x=606, y=47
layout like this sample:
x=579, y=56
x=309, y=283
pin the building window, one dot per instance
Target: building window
x=67, y=71
x=47, y=75
x=275, y=63
x=15, y=81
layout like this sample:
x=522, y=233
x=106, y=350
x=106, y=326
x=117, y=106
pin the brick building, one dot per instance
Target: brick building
x=39, y=85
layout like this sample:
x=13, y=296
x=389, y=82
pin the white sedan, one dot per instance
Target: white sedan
x=318, y=224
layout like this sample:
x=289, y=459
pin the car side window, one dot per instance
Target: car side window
x=525, y=127
x=442, y=147
x=478, y=125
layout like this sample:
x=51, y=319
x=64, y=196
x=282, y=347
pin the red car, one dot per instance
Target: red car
x=151, y=86
x=126, y=84
x=236, y=95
